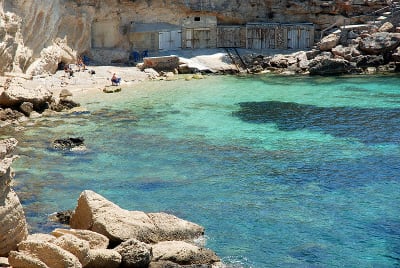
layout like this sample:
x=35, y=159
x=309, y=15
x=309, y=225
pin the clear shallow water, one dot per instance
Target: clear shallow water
x=281, y=171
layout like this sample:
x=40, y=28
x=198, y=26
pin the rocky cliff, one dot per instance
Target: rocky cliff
x=13, y=226
x=28, y=27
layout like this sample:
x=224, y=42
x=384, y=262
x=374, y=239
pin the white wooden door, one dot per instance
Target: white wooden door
x=170, y=40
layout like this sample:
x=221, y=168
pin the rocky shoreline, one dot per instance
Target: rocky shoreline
x=355, y=51
x=101, y=234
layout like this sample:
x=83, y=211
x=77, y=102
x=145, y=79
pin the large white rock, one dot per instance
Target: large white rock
x=98, y=214
x=96, y=240
x=15, y=95
x=80, y=248
x=41, y=253
x=328, y=42
x=13, y=226
x=103, y=258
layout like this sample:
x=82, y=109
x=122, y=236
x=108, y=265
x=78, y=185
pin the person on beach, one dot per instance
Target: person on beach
x=68, y=70
x=115, y=80
x=80, y=64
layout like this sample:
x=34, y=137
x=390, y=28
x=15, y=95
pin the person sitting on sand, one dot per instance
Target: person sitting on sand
x=80, y=64
x=115, y=80
x=68, y=70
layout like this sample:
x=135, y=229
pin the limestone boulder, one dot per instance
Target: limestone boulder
x=329, y=66
x=41, y=237
x=7, y=146
x=78, y=247
x=365, y=61
x=10, y=115
x=279, y=61
x=183, y=253
x=13, y=226
x=386, y=27
x=42, y=254
x=328, y=42
x=26, y=108
x=15, y=95
x=95, y=240
x=380, y=43
x=14, y=56
x=396, y=55
x=103, y=258
x=51, y=56
x=22, y=260
x=98, y=214
x=135, y=254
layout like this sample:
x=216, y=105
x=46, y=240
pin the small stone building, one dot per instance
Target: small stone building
x=199, y=32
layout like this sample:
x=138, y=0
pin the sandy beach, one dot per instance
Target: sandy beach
x=95, y=78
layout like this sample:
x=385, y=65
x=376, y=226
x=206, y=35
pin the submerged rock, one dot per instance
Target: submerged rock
x=112, y=89
x=61, y=216
x=69, y=144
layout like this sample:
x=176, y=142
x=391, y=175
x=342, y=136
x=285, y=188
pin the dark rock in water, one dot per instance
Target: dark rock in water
x=64, y=104
x=69, y=143
x=329, y=66
x=9, y=114
x=112, y=89
x=26, y=108
x=62, y=216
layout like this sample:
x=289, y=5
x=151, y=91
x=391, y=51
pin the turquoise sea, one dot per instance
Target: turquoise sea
x=281, y=171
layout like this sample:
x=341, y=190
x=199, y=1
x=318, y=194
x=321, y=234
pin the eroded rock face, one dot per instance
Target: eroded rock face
x=78, y=247
x=329, y=66
x=95, y=240
x=42, y=254
x=13, y=226
x=31, y=30
x=14, y=56
x=134, y=253
x=380, y=43
x=103, y=258
x=15, y=95
x=96, y=213
x=329, y=42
